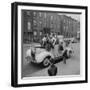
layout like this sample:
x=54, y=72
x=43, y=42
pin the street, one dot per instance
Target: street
x=72, y=66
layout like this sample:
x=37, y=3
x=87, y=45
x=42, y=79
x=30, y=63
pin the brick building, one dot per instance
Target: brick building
x=70, y=26
x=35, y=24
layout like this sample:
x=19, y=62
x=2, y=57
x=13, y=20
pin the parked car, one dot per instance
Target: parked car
x=40, y=55
x=74, y=40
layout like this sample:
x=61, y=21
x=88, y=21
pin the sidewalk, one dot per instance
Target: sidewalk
x=31, y=44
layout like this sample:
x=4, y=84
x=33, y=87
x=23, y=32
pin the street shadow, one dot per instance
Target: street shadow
x=31, y=68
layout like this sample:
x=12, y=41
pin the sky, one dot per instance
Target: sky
x=77, y=17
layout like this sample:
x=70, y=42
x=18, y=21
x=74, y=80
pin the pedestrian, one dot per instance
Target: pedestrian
x=64, y=56
x=60, y=46
x=52, y=71
x=44, y=39
x=33, y=52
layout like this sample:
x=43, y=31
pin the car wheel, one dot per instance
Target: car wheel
x=46, y=62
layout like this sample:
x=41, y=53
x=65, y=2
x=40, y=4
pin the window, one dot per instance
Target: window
x=45, y=24
x=35, y=33
x=40, y=14
x=64, y=27
x=40, y=33
x=29, y=25
x=28, y=13
x=34, y=22
x=63, y=20
x=34, y=13
x=40, y=22
x=69, y=22
x=51, y=17
x=45, y=15
x=51, y=25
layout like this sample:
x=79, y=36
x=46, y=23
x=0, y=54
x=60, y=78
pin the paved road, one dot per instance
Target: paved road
x=71, y=68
